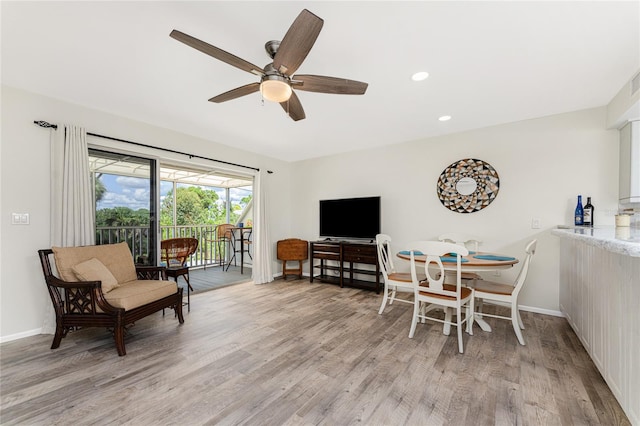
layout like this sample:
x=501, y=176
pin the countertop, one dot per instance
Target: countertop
x=624, y=240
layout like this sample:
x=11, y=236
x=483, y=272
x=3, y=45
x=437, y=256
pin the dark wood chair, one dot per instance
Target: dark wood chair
x=80, y=304
x=174, y=253
x=292, y=250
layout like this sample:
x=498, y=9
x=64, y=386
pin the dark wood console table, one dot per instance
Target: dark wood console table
x=340, y=257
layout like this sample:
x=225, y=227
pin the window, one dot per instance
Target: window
x=191, y=203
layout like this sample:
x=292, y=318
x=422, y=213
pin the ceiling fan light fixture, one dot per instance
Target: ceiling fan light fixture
x=275, y=89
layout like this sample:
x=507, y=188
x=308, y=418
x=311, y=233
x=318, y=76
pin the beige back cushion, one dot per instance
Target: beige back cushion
x=94, y=270
x=116, y=257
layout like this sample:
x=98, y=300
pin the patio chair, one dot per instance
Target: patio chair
x=174, y=253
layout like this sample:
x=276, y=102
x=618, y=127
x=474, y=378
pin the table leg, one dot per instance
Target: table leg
x=241, y=252
x=481, y=322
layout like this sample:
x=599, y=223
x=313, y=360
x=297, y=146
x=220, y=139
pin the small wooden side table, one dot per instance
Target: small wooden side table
x=291, y=250
x=181, y=271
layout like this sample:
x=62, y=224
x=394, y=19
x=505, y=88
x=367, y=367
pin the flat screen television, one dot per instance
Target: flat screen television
x=350, y=218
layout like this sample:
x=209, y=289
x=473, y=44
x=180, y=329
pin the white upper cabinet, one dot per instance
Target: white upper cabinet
x=630, y=165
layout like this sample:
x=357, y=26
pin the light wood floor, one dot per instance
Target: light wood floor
x=296, y=353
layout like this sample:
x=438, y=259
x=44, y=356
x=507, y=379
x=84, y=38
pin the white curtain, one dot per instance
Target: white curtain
x=262, y=259
x=72, y=205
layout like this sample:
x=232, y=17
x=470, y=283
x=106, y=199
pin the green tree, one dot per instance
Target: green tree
x=122, y=216
x=195, y=206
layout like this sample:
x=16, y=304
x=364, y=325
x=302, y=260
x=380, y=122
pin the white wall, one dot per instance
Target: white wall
x=625, y=106
x=543, y=164
x=24, y=185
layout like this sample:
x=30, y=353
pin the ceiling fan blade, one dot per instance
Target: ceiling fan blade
x=323, y=84
x=236, y=93
x=293, y=107
x=297, y=42
x=216, y=53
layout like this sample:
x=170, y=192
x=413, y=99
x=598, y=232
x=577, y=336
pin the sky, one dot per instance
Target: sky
x=124, y=191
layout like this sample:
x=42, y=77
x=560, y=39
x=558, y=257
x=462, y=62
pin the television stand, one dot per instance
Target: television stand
x=345, y=263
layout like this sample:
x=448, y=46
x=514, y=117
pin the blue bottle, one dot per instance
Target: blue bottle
x=579, y=221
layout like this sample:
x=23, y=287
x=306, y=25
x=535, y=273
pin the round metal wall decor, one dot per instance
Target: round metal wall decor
x=468, y=185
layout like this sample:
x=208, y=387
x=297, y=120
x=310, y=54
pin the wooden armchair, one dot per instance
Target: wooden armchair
x=99, y=286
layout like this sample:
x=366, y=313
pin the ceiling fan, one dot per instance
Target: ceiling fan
x=277, y=79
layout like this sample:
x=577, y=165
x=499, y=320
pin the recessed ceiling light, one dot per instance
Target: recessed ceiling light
x=445, y=118
x=419, y=76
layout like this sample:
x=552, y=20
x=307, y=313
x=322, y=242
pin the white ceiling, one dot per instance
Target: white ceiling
x=489, y=63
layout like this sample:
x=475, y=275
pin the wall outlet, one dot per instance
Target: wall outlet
x=535, y=223
x=496, y=273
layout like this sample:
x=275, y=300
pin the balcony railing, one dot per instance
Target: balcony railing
x=137, y=237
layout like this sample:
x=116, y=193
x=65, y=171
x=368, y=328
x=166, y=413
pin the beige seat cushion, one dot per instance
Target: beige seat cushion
x=132, y=294
x=94, y=270
x=116, y=257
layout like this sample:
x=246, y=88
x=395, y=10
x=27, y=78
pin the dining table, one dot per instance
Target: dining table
x=473, y=262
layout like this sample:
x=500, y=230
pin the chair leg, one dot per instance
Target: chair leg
x=515, y=323
x=393, y=295
x=470, y=316
x=384, y=299
x=118, y=336
x=178, y=308
x=459, y=327
x=57, y=338
x=414, y=320
x=189, y=288
x=520, y=318
x=446, y=329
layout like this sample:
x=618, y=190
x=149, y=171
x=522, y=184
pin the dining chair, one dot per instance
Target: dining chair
x=465, y=241
x=506, y=293
x=433, y=292
x=393, y=280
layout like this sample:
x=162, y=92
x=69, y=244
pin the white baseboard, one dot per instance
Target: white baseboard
x=21, y=335
x=542, y=311
x=530, y=309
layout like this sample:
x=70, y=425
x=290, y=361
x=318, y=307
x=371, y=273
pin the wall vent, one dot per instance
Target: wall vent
x=635, y=84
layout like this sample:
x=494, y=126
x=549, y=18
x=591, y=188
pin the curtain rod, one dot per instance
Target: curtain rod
x=47, y=125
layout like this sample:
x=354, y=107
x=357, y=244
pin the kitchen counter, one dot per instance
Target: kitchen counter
x=600, y=297
x=624, y=240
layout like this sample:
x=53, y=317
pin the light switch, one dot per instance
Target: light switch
x=19, y=218
x=535, y=223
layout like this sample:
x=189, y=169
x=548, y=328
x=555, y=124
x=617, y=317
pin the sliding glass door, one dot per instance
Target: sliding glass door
x=141, y=202
x=125, y=202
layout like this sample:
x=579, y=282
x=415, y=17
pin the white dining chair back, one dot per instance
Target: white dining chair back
x=469, y=241
x=393, y=280
x=506, y=293
x=434, y=292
